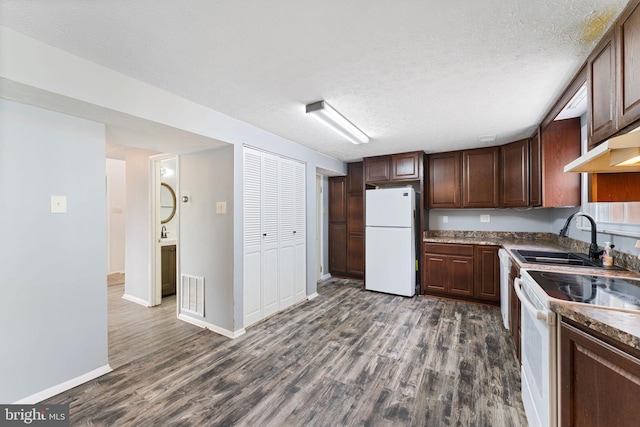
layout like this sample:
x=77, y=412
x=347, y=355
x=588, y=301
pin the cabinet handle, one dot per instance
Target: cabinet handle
x=264, y=235
x=294, y=232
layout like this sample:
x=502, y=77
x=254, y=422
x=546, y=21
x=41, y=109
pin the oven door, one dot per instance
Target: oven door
x=538, y=338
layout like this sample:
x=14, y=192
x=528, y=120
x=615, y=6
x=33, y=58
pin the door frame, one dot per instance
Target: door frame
x=155, y=267
x=319, y=228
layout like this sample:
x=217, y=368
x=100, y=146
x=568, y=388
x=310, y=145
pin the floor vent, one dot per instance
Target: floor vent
x=192, y=294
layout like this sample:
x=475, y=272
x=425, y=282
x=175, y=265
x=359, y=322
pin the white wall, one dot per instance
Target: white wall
x=138, y=227
x=53, y=302
x=206, y=237
x=532, y=220
x=116, y=190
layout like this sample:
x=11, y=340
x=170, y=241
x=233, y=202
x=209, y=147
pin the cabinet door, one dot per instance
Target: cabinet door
x=460, y=276
x=376, y=169
x=300, y=231
x=270, y=230
x=535, y=169
x=355, y=178
x=480, y=178
x=435, y=273
x=560, y=145
x=599, y=383
x=355, y=230
x=487, y=273
x=628, y=75
x=601, y=80
x=338, y=248
x=444, y=180
x=337, y=199
x=515, y=174
x=406, y=166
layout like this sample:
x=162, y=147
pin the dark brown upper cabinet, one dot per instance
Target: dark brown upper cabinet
x=338, y=199
x=601, y=78
x=535, y=171
x=480, y=178
x=406, y=166
x=628, y=55
x=515, y=174
x=396, y=167
x=444, y=180
x=560, y=145
x=355, y=177
x=376, y=169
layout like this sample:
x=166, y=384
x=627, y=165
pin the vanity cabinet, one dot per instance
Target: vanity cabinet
x=470, y=272
x=480, y=178
x=445, y=180
x=168, y=259
x=599, y=379
x=515, y=174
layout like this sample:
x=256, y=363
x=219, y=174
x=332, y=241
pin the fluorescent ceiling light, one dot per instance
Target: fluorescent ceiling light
x=336, y=121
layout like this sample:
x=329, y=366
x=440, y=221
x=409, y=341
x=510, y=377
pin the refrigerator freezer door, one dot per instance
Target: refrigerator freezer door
x=390, y=261
x=390, y=207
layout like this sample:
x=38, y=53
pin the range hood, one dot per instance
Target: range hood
x=618, y=154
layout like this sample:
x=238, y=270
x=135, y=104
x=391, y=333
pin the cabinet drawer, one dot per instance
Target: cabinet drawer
x=448, y=249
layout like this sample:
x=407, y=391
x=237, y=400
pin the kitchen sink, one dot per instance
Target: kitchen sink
x=556, y=258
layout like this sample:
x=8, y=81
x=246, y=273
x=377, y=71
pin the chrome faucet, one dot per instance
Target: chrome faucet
x=163, y=234
x=594, y=250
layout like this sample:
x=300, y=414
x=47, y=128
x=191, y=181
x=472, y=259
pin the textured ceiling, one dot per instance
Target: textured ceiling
x=414, y=75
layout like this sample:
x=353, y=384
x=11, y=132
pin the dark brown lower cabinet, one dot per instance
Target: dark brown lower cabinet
x=338, y=248
x=599, y=381
x=168, y=256
x=487, y=273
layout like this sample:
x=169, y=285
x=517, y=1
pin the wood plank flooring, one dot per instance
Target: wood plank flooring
x=346, y=358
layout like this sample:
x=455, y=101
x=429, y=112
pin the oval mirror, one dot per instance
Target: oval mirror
x=167, y=203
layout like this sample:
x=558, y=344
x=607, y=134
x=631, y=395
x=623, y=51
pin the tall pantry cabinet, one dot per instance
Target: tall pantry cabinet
x=274, y=234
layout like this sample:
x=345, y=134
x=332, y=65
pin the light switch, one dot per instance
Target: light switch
x=58, y=204
x=485, y=218
x=221, y=207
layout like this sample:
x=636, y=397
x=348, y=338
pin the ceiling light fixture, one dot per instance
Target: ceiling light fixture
x=328, y=115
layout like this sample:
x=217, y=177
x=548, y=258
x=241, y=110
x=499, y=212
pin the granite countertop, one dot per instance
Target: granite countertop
x=619, y=325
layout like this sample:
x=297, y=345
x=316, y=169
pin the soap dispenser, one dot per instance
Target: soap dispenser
x=607, y=255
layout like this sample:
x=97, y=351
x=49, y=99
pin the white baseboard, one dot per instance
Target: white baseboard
x=67, y=385
x=312, y=296
x=116, y=272
x=136, y=300
x=213, y=328
x=326, y=276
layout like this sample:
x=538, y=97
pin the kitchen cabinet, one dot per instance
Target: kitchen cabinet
x=601, y=79
x=448, y=269
x=535, y=171
x=355, y=220
x=346, y=223
x=628, y=56
x=560, y=145
x=394, y=168
x=480, y=178
x=338, y=225
x=599, y=380
x=514, y=311
x=486, y=273
x=168, y=255
x=515, y=174
x=461, y=271
x=445, y=180
x=614, y=187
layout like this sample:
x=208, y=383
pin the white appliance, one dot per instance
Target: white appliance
x=505, y=286
x=390, y=248
x=539, y=353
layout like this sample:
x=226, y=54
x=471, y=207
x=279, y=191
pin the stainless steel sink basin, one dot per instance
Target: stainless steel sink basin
x=556, y=258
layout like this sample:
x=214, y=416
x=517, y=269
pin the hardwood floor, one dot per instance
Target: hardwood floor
x=348, y=357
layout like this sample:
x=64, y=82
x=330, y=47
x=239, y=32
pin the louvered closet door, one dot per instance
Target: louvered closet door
x=270, y=226
x=252, y=202
x=287, y=229
x=300, y=231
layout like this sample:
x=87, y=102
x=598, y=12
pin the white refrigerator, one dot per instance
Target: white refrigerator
x=390, y=248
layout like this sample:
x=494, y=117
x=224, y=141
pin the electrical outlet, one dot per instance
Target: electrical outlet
x=221, y=207
x=445, y=219
x=58, y=204
x=485, y=218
